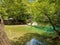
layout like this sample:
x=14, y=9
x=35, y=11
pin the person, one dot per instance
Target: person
x=34, y=41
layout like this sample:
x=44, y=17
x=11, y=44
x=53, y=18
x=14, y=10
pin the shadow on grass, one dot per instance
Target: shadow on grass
x=28, y=36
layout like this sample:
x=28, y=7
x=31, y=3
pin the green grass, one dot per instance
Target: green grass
x=17, y=30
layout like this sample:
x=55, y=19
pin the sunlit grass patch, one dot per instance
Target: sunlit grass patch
x=16, y=33
x=17, y=30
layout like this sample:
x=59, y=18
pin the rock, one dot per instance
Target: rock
x=33, y=24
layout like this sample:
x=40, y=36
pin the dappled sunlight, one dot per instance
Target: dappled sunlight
x=29, y=22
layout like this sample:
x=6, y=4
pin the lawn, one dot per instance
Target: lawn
x=19, y=30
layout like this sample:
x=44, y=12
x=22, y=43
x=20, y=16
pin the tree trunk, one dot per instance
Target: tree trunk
x=54, y=28
x=3, y=37
x=50, y=22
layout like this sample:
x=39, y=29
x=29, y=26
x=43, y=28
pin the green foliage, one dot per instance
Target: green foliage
x=22, y=9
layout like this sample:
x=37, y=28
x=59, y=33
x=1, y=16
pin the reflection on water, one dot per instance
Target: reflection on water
x=34, y=41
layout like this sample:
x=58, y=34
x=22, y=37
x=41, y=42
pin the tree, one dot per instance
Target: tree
x=47, y=10
x=58, y=12
x=51, y=21
x=16, y=9
x=3, y=37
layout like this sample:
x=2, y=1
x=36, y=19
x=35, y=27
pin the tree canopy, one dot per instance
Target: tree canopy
x=25, y=9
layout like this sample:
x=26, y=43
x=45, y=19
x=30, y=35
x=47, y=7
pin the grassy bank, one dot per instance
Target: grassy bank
x=23, y=33
x=19, y=30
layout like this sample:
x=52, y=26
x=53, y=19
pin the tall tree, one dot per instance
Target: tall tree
x=3, y=37
x=47, y=10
